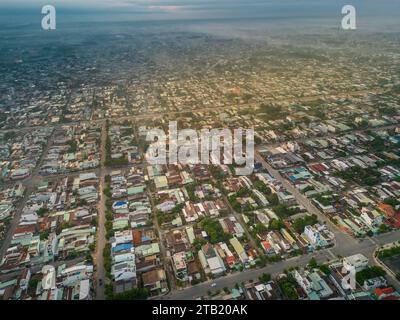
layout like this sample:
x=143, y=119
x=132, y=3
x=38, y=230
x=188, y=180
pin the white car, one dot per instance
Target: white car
x=213, y=284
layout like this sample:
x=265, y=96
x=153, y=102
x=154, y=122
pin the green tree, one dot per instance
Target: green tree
x=42, y=211
x=325, y=269
x=133, y=294
x=369, y=273
x=276, y=224
x=313, y=263
x=265, y=277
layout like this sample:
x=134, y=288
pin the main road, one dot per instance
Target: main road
x=151, y=115
x=341, y=239
x=30, y=183
x=101, y=230
x=366, y=247
x=345, y=245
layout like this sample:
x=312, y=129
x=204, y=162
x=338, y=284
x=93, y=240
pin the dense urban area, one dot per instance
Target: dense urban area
x=84, y=216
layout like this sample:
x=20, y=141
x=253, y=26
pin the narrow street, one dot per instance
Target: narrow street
x=30, y=183
x=342, y=239
x=345, y=245
x=364, y=247
x=166, y=260
x=143, y=116
x=101, y=230
x=246, y=231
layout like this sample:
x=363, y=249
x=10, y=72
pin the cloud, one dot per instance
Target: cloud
x=165, y=8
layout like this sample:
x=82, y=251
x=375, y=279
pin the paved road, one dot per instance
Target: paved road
x=244, y=226
x=341, y=239
x=167, y=261
x=29, y=184
x=56, y=176
x=344, y=245
x=365, y=247
x=330, y=135
x=101, y=217
x=213, y=109
x=231, y=280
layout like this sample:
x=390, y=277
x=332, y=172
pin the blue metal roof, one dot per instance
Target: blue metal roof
x=123, y=246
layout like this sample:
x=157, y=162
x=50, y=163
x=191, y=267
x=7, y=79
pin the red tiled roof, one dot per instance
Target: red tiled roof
x=120, y=215
x=317, y=167
x=387, y=209
x=378, y=292
x=266, y=244
x=230, y=260
x=23, y=229
x=137, y=237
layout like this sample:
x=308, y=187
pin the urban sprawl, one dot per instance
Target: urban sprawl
x=84, y=216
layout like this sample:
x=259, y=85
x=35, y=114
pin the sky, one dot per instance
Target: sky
x=195, y=8
x=142, y=10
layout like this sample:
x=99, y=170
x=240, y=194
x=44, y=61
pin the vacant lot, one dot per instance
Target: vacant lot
x=393, y=263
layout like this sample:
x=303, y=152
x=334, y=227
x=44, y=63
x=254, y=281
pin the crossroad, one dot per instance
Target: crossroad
x=345, y=245
x=364, y=247
x=342, y=239
x=29, y=185
x=152, y=115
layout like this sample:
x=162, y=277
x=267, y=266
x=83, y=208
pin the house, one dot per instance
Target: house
x=314, y=236
x=166, y=206
x=226, y=254
x=161, y=182
x=193, y=270
x=211, y=261
x=372, y=218
x=179, y=266
x=386, y=294
x=155, y=281
x=325, y=208
x=239, y=250
x=355, y=262
x=232, y=226
x=268, y=249
x=387, y=209
x=315, y=287
x=5, y=210
x=124, y=271
x=288, y=237
x=23, y=279
x=146, y=250
x=372, y=284
x=121, y=237
x=18, y=174
x=49, y=277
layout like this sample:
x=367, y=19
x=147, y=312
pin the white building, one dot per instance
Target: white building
x=358, y=262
